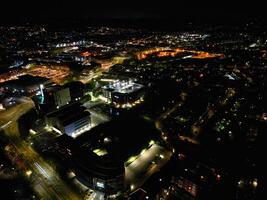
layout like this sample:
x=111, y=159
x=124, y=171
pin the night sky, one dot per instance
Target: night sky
x=179, y=10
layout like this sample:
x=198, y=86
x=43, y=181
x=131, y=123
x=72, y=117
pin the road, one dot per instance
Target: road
x=163, y=116
x=137, y=172
x=153, y=158
x=43, y=178
x=12, y=114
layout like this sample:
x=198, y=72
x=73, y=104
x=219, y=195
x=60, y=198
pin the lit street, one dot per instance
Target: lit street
x=47, y=184
x=147, y=163
x=131, y=101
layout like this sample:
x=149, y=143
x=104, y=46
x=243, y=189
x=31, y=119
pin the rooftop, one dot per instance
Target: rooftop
x=27, y=80
x=124, y=86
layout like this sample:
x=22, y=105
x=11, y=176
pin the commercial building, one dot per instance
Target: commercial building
x=52, y=98
x=72, y=120
x=99, y=158
x=61, y=97
x=124, y=93
x=101, y=173
x=56, y=97
x=25, y=85
x=76, y=89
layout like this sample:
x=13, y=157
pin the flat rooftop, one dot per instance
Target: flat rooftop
x=124, y=87
x=120, y=138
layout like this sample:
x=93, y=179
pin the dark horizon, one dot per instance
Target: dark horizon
x=169, y=13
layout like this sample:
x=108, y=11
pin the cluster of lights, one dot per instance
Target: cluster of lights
x=166, y=52
x=100, y=152
x=129, y=105
x=101, y=98
x=81, y=131
x=70, y=44
x=55, y=73
x=253, y=182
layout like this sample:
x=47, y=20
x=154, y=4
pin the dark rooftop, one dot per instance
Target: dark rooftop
x=27, y=80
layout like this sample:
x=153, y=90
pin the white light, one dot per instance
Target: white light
x=100, y=184
x=255, y=183
x=151, y=142
x=106, y=139
x=28, y=173
x=57, y=130
x=132, y=187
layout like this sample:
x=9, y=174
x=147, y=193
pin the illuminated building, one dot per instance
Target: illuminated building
x=70, y=44
x=72, y=120
x=100, y=156
x=56, y=96
x=123, y=93
x=25, y=85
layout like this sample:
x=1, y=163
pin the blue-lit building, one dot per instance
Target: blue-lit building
x=72, y=120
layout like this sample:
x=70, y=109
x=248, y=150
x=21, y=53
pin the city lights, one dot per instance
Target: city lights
x=147, y=106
